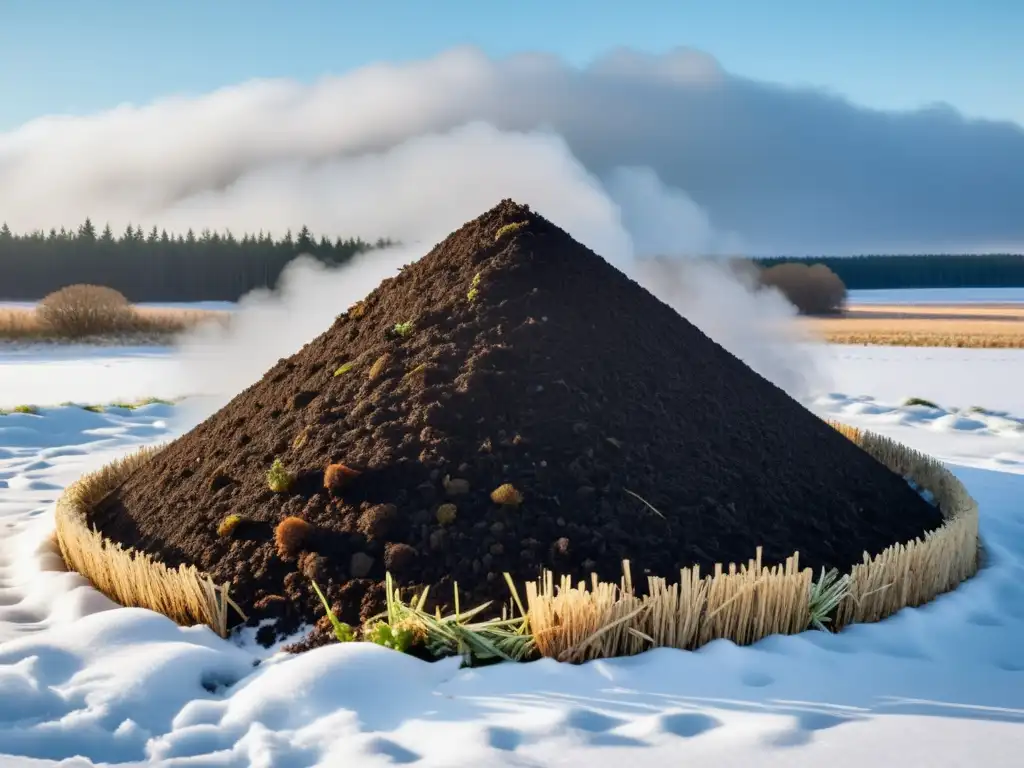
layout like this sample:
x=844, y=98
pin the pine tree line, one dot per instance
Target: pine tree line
x=217, y=266
x=994, y=270
x=156, y=265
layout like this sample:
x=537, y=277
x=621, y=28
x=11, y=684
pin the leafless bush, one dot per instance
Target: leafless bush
x=813, y=290
x=85, y=310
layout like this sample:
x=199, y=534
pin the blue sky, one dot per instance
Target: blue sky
x=60, y=56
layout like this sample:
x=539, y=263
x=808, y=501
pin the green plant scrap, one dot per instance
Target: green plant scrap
x=228, y=525
x=342, y=631
x=279, y=479
x=474, y=288
x=508, y=229
x=826, y=594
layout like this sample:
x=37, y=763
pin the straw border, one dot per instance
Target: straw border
x=575, y=622
x=125, y=575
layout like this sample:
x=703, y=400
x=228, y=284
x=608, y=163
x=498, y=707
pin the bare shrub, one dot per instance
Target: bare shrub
x=813, y=290
x=85, y=310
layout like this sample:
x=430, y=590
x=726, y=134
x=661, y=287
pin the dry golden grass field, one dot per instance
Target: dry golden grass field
x=23, y=324
x=976, y=325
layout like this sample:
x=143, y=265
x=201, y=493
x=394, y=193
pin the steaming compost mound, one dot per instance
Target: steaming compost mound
x=510, y=355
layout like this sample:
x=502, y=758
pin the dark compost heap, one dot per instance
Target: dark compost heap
x=529, y=361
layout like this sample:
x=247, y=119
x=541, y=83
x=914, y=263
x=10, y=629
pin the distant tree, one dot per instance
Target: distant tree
x=87, y=231
x=304, y=243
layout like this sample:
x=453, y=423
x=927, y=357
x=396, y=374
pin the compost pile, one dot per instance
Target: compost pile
x=510, y=402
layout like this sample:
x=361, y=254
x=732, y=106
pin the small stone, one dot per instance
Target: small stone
x=437, y=539
x=360, y=565
x=456, y=487
x=561, y=547
x=487, y=561
x=585, y=493
x=497, y=528
x=497, y=549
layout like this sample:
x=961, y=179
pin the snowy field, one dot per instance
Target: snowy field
x=935, y=687
x=938, y=296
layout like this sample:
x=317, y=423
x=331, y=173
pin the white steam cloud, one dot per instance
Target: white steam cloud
x=635, y=156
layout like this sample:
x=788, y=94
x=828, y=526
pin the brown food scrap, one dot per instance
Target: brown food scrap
x=290, y=536
x=337, y=476
x=507, y=496
x=378, y=366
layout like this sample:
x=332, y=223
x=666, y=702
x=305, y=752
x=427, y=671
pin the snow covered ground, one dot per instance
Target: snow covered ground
x=939, y=296
x=942, y=685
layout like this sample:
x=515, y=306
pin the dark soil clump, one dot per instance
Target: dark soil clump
x=500, y=405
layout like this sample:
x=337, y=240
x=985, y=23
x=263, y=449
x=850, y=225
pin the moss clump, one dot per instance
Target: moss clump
x=279, y=479
x=404, y=329
x=509, y=229
x=228, y=525
x=345, y=368
x=446, y=514
x=357, y=310
x=507, y=496
x=26, y=409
